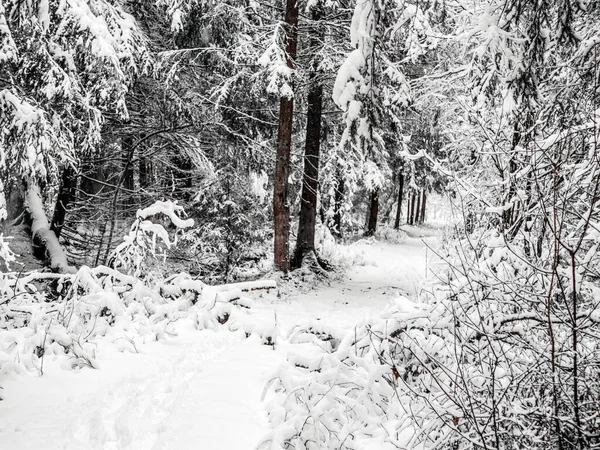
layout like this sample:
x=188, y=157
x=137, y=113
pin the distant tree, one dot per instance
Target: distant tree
x=373, y=92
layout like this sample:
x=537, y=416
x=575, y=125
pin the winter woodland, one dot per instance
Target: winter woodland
x=309, y=225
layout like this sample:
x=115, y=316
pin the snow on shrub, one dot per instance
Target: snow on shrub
x=352, y=391
x=484, y=360
x=338, y=255
x=148, y=240
x=98, y=303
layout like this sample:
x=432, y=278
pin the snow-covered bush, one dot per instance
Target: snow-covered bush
x=148, y=240
x=472, y=366
x=502, y=352
x=102, y=303
x=336, y=254
x=368, y=387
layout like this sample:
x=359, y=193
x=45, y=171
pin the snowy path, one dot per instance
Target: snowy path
x=385, y=272
x=202, y=389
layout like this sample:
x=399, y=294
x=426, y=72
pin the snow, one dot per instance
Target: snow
x=203, y=388
x=146, y=237
x=169, y=209
x=8, y=50
x=6, y=254
x=258, y=185
x=349, y=75
x=40, y=228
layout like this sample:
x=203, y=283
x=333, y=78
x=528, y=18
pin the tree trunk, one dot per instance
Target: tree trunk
x=45, y=241
x=408, y=208
x=400, y=195
x=305, y=242
x=145, y=172
x=281, y=207
x=413, y=208
x=337, y=207
x=65, y=196
x=423, y=205
x=417, y=208
x=373, y=211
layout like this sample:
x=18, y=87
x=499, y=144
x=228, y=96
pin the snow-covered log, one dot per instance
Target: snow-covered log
x=247, y=286
x=42, y=235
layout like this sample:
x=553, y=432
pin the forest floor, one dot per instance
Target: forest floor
x=201, y=389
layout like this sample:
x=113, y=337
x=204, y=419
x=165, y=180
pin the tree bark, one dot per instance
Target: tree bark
x=423, y=206
x=281, y=207
x=400, y=195
x=305, y=242
x=413, y=208
x=66, y=194
x=373, y=211
x=408, y=208
x=337, y=207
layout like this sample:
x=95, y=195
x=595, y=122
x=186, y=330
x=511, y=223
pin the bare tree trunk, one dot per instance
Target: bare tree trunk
x=281, y=207
x=144, y=171
x=400, y=195
x=66, y=194
x=408, y=208
x=337, y=207
x=417, y=219
x=413, y=208
x=305, y=242
x=373, y=211
x=423, y=206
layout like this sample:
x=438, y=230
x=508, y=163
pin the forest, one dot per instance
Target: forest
x=170, y=167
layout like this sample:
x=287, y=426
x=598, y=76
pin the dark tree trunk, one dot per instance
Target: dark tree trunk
x=92, y=177
x=337, y=207
x=540, y=239
x=510, y=215
x=305, y=242
x=413, y=208
x=400, y=195
x=66, y=195
x=373, y=211
x=423, y=206
x=281, y=207
x=408, y=207
x=15, y=206
x=184, y=175
x=128, y=171
x=144, y=172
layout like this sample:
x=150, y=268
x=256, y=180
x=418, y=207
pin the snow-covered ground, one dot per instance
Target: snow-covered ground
x=199, y=389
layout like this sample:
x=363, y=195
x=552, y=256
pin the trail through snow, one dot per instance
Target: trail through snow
x=200, y=389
